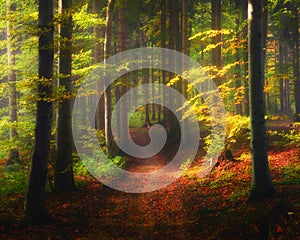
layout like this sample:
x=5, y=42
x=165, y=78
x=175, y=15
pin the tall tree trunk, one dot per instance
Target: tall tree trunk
x=238, y=83
x=64, y=178
x=216, y=7
x=265, y=34
x=98, y=58
x=123, y=86
x=174, y=43
x=147, y=95
x=296, y=65
x=284, y=82
x=185, y=51
x=35, y=210
x=245, y=54
x=163, y=22
x=12, y=93
x=261, y=180
x=107, y=93
x=153, y=106
x=146, y=80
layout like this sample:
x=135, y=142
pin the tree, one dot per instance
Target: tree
x=98, y=58
x=163, y=27
x=261, y=180
x=123, y=86
x=244, y=6
x=107, y=93
x=64, y=179
x=35, y=211
x=283, y=71
x=11, y=78
x=176, y=44
x=296, y=65
x=216, y=7
x=238, y=82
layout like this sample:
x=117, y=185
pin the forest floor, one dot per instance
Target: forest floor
x=213, y=207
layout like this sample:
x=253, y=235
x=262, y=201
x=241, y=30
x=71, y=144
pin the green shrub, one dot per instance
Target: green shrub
x=288, y=138
x=237, y=129
x=136, y=119
x=13, y=179
x=81, y=168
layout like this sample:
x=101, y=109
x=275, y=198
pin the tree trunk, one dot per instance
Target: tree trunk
x=174, y=43
x=284, y=82
x=261, y=180
x=64, y=178
x=107, y=93
x=265, y=34
x=296, y=65
x=238, y=83
x=216, y=7
x=245, y=54
x=147, y=95
x=12, y=93
x=163, y=29
x=123, y=86
x=35, y=210
x=98, y=58
x=185, y=51
x=153, y=106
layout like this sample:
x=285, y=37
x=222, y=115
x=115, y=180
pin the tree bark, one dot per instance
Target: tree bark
x=35, y=210
x=238, y=82
x=98, y=58
x=174, y=43
x=123, y=86
x=147, y=110
x=12, y=92
x=107, y=93
x=261, y=180
x=216, y=7
x=185, y=51
x=296, y=65
x=284, y=82
x=64, y=177
x=245, y=54
x=163, y=29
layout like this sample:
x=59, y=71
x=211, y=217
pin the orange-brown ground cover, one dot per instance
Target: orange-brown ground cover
x=213, y=207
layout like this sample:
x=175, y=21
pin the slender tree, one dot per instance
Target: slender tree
x=238, y=82
x=176, y=44
x=64, y=179
x=98, y=57
x=261, y=180
x=185, y=49
x=296, y=65
x=11, y=77
x=107, y=93
x=244, y=6
x=216, y=14
x=123, y=86
x=163, y=29
x=35, y=210
x=147, y=94
x=283, y=61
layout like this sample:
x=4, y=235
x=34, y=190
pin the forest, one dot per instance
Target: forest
x=130, y=119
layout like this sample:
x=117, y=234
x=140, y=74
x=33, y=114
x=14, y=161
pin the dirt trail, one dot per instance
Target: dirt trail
x=153, y=163
x=187, y=209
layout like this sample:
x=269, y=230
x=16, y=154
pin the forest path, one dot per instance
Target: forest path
x=190, y=208
x=141, y=137
x=113, y=214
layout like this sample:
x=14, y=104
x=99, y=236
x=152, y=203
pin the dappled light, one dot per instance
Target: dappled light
x=130, y=119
